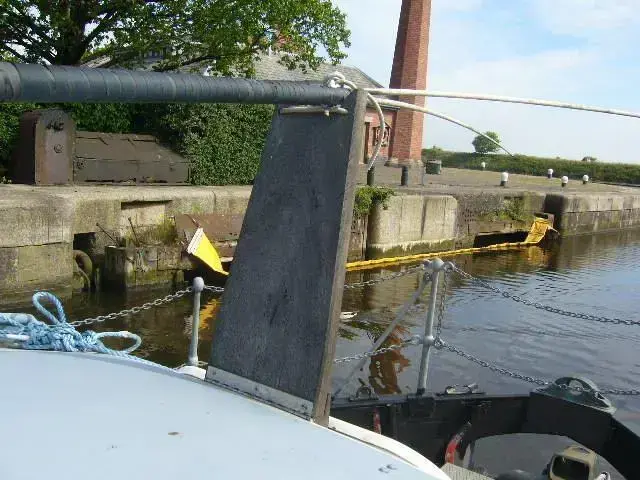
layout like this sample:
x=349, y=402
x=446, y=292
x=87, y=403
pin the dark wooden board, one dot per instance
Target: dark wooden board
x=278, y=321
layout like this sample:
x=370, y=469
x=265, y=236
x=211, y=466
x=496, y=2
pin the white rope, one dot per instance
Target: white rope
x=500, y=98
x=411, y=106
x=335, y=80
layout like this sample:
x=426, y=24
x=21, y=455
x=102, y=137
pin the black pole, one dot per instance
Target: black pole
x=24, y=82
x=371, y=176
x=404, y=178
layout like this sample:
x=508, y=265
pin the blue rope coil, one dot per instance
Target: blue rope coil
x=59, y=335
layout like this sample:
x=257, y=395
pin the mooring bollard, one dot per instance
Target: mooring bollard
x=550, y=173
x=585, y=179
x=504, y=178
x=404, y=177
x=484, y=165
x=437, y=266
x=564, y=181
x=371, y=176
x=198, y=287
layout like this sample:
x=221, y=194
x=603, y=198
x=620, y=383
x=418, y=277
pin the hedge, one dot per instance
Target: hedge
x=528, y=165
x=223, y=141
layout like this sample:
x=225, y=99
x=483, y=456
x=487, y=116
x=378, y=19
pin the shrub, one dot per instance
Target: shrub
x=367, y=197
x=9, y=121
x=223, y=142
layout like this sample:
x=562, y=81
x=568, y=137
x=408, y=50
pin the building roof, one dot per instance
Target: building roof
x=268, y=67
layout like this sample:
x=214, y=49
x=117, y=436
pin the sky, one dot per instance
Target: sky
x=580, y=51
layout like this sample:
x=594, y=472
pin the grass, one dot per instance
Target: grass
x=513, y=210
x=162, y=234
x=528, y=165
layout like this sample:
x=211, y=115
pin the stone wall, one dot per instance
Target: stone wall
x=494, y=213
x=412, y=224
x=581, y=214
x=38, y=226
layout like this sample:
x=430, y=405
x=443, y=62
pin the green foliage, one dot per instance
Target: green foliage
x=223, y=142
x=101, y=117
x=512, y=210
x=162, y=234
x=9, y=121
x=483, y=145
x=529, y=165
x=369, y=196
x=226, y=35
x=432, y=153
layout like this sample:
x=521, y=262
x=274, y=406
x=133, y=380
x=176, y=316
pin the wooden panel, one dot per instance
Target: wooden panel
x=110, y=157
x=278, y=321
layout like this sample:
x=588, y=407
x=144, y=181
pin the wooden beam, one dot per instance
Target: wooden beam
x=276, y=330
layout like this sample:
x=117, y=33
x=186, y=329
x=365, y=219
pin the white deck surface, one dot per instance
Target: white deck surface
x=84, y=416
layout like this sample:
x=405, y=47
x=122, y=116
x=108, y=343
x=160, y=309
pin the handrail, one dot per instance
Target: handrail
x=21, y=82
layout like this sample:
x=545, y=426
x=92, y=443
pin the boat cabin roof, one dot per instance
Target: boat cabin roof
x=93, y=416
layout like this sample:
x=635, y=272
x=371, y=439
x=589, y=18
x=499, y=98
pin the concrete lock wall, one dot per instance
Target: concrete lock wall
x=582, y=214
x=38, y=226
x=412, y=224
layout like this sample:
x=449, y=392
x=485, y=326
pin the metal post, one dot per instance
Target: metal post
x=388, y=331
x=198, y=287
x=371, y=176
x=424, y=175
x=404, y=178
x=437, y=265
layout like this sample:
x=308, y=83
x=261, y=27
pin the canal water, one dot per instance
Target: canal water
x=598, y=274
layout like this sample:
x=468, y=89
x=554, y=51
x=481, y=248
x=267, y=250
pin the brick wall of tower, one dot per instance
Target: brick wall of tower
x=410, y=71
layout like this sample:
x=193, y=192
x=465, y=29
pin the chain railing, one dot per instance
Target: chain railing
x=426, y=340
x=210, y=288
x=376, y=281
x=436, y=341
x=415, y=340
x=133, y=310
x=546, y=308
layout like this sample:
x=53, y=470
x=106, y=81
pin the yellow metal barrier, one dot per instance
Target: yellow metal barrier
x=538, y=230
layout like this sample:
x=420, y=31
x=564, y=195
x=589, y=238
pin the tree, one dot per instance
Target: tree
x=484, y=145
x=224, y=34
x=589, y=159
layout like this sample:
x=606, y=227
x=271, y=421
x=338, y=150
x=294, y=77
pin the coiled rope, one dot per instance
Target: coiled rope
x=59, y=335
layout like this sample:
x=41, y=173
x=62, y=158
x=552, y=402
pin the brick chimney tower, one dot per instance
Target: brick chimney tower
x=410, y=71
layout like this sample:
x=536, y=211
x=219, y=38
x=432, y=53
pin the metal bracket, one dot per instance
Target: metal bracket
x=262, y=393
x=470, y=389
x=578, y=390
x=363, y=393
